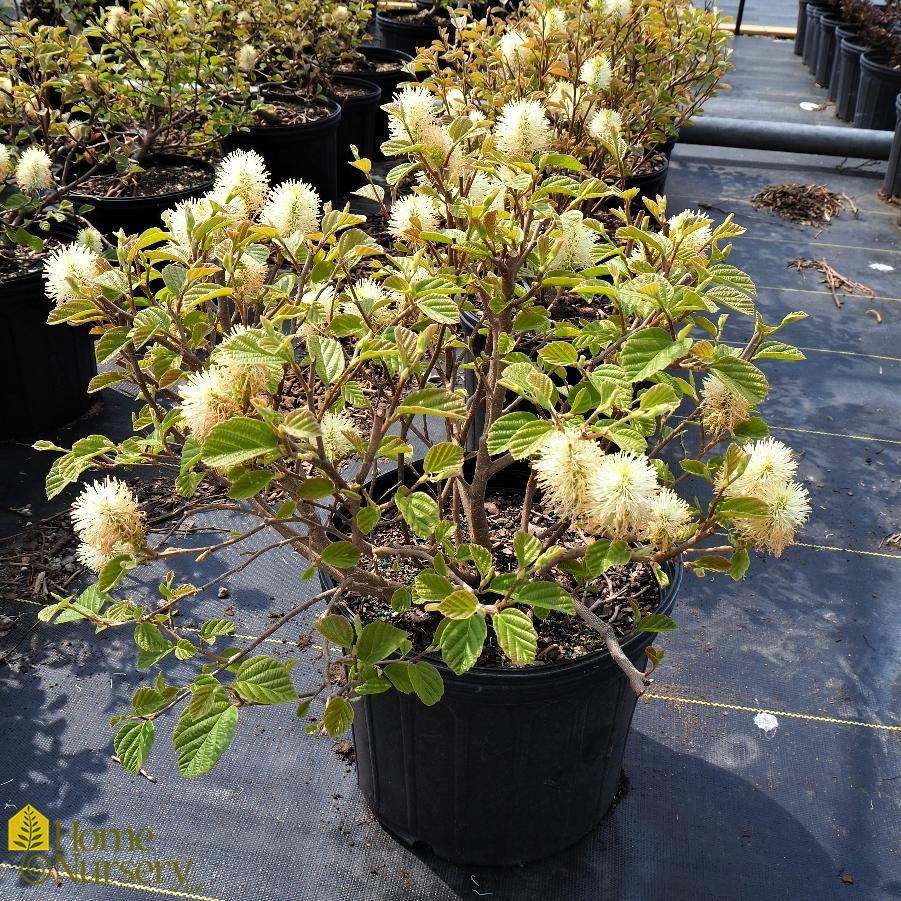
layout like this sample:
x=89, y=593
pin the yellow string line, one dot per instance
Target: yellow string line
x=874, y=438
x=847, y=550
x=139, y=888
x=829, y=350
x=810, y=717
x=815, y=243
x=860, y=297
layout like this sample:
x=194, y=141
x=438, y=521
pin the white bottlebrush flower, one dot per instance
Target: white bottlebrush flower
x=788, y=508
x=91, y=238
x=368, y=298
x=621, y=491
x=722, y=409
x=243, y=174
x=412, y=114
x=562, y=98
x=292, y=208
x=605, y=124
x=108, y=521
x=563, y=467
x=6, y=91
x=667, y=518
x=250, y=277
x=247, y=57
x=523, y=129
x=596, y=72
x=116, y=20
x=455, y=101
x=5, y=161
x=514, y=49
x=770, y=463
x=553, y=22
x=411, y=215
x=617, y=9
x=33, y=171
x=691, y=231
x=335, y=429
x=576, y=243
x=206, y=400
x=486, y=189
x=69, y=271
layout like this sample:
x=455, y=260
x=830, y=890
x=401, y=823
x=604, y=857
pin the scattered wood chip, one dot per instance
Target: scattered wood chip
x=144, y=773
x=876, y=315
x=806, y=204
x=847, y=878
x=834, y=280
x=892, y=541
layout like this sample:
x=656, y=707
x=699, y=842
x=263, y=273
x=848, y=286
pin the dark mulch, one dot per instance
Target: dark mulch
x=805, y=204
x=560, y=637
x=156, y=179
x=18, y=260
x=281, y=111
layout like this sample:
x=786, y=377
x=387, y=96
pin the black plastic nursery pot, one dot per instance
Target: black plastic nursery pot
x=650, y=184
x=841, y=32
x=388, y=79
x=891, y=186
x=826, y=50
x=812, y=36
x=137, y=213
x=407, y=37
x=801, y=30
x=848, y=79
x=360, y=102
x=512, y=765
x=306, y=151
x=45, y=368
x=879, y=85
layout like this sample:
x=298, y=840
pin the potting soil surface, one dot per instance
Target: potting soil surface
x=764, y=763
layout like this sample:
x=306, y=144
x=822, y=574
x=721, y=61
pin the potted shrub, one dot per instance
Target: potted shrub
x=619, y=81
x=563, y=532
x=46, y=370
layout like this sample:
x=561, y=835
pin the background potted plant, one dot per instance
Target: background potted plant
x=430, y=573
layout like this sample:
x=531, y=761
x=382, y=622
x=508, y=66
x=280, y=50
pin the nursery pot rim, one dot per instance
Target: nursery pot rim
x=385, y=16
x=872, y=60
x=168, y=196
x=323, y=124
x=374, y=92
x=529, y=674
x=61, y=231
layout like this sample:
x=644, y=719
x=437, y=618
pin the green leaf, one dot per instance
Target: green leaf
x=336, y=629
x=215, y=627
x=237, y=440
x=341, y=555
x=133, y=743
x=529, y=438
x=648, y=351
x=338, y=716
x=503, y=430
x=184, y=650
x=741, y=560
x=744, y=378
x=549, y=595
x=753, y=429
x=527, y=548
x=459, y=604
x=516, y=635
x=696, y=468
x=401, y=600
x=420, y=512
x=149, y=638
x=714, y=562
x=315, y=488
x=742, y=507
x=199, y=743
x=328, y=355
x=113, y=570
x=461, y=642
x=439, y=308
x=434, y=402
x=368, y=518
x=426, y=682
x=111, y=342
x=443, y=460
x=379, y=641
x=246, y=483
x=398, y=675
x=656, y=622
x=264, y=680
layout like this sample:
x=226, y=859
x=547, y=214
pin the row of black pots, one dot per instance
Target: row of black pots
x=860, y=79
x=511, y=765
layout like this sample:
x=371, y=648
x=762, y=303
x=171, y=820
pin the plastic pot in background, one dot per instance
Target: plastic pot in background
x=306, y=151
x=801, y=30
x=650, y=184
x=45, y=369
x=826, y=50
x=877, y=90
x=359, y=101
x=137, y=213
x=841, y=32
x=812, y=36
x=407, y=37
x=891, y=186
x=848, y=79
x=388, y=79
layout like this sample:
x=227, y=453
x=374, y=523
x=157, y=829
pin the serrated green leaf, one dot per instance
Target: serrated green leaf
x=336, y=629
x=133, y=743
x=379, y=641
x=549, y=595
x=212, y=628
x=341, y=555
x=426, y=681
x=237, y=440
x=264, y=680
x=368, y=518
x=460, y=604
x=443, y=460
x=742, y=377
x=247, y=483
x=526, y=547
x=434, y=402
x=516, y=635
x=461, y=642
x=529, y=438
x=650, y=350
x=200, y=743
x=656, y=622
x=503, y=430
x=338, y=716
x=741, y=560
x=420, y=512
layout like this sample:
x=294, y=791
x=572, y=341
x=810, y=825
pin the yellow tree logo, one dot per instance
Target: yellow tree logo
x=29, y=830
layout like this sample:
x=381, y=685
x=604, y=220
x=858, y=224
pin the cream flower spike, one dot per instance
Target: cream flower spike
x=243, y=174
x=563, y=467
x=108, y=521
x=523, y=129
x=70, y=270
x=33, y=172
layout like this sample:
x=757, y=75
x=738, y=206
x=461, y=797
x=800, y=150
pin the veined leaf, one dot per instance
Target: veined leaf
x=516, y=635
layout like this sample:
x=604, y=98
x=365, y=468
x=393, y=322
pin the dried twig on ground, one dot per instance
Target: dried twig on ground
x=892, y=541
x=806, y=204
x=833, y=279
